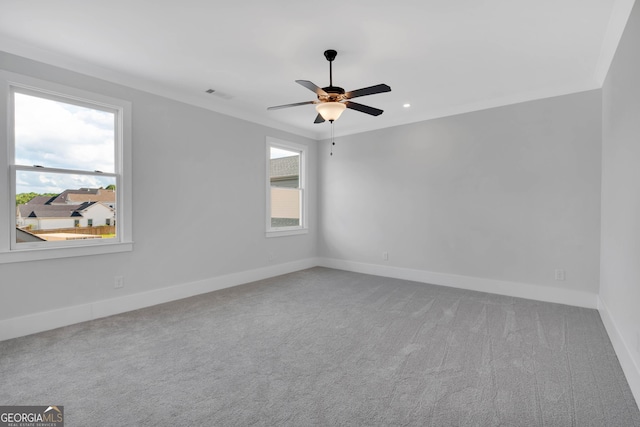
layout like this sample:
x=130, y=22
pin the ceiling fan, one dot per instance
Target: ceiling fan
x=333, y=100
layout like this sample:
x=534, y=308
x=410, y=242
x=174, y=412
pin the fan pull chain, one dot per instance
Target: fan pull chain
x=333, y=142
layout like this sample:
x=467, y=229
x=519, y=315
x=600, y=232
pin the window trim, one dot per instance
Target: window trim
x=303, y=227
x=9, y=252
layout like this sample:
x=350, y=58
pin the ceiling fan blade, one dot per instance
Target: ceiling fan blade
x=363, y=108
x=277, y=107
x=312, y=87
x=371, y=90
x=319, y=119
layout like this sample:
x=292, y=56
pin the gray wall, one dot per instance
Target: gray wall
x=620, y=262
x=189, y=222
x=509, y=193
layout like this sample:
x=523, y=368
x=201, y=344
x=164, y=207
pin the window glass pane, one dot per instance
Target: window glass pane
x=55, y=206
x=286, y=197
x=61, y=135
x=285, y=168
x=285, y=207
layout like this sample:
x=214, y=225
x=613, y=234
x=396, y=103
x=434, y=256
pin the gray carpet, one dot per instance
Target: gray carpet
x=324, y=347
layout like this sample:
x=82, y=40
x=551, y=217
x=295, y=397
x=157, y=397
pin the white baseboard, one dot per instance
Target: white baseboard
x=513, y=289
x=630, y=364
x=44, y=321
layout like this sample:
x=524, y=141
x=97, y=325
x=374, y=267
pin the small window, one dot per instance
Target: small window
x=66, y=154
x=286, y=202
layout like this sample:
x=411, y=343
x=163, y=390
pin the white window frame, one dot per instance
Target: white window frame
x=11, y=83
x=303, y=150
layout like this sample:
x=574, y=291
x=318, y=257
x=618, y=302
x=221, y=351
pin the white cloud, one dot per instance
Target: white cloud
x=61, y=135
x=42, y=182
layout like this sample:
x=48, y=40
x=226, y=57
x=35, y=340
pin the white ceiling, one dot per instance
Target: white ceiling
x=441, y=56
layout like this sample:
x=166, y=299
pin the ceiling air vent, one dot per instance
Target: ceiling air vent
x=219, y=94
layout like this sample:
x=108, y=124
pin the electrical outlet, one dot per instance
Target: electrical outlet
x=385, y=256
x=272, y=256
x=118, y=282
x=560, y=275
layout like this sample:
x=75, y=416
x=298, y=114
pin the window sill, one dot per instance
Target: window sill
x=289, y=232
x=22, y=255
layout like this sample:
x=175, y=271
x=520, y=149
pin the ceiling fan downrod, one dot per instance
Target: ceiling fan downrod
x=330, y=55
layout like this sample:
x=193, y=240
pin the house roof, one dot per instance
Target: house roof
x=56, y=211
x=85, y=195
x=47, y=211
x=40, y=200
x=25, y=236
x=84, y=206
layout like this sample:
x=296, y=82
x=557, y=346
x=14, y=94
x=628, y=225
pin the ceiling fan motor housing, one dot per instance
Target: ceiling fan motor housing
x=334, y=94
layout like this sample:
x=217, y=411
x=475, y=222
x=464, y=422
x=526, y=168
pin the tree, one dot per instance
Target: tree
x=111, y=187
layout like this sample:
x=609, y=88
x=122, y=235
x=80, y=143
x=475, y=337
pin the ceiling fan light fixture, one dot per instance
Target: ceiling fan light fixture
x=330, y=110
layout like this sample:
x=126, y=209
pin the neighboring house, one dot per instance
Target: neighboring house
x=76, y=197
x=95, y=214
x=43, y=213
x=285, y=171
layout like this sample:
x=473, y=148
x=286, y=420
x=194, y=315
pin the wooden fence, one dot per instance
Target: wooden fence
x=98, y=230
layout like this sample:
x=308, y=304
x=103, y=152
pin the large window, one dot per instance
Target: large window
x=68, y=189
x=286, y=180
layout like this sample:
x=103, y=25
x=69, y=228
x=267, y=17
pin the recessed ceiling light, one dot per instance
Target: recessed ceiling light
x=407, y=105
